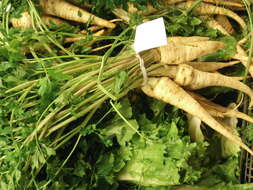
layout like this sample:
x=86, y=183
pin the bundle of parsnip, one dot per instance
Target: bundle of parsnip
x=65, y=90
x=177, y=73
x=176, y=70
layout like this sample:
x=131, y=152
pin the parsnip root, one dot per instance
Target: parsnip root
x=184, y=49
x=207, y=9
x=194, y=79
x=212, y=23
x=68, y=11
x=224, y=22
x=25, y=21
x=211, y=66
x=166, y=90
x=218, y=110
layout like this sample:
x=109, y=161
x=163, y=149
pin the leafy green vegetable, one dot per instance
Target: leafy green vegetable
x=248, y=133
x=95, y=147
x=158, y=160
x=221, y=186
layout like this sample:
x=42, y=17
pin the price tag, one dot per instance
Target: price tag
x=150, y=35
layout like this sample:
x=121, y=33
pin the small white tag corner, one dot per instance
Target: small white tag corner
x=150, y=35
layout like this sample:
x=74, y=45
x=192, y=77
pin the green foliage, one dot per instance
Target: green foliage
x=220, y=186
x=18, y=6
x=180, y=24
x=248, y=133
x=153, y=146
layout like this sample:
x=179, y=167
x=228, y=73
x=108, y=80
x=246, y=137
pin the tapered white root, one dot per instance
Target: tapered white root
x=25, y=21
x=208, y=9
x=194, y=79
x=211, y=66
x=219, y=111
x=63, y=9
x=184, y=49
x=224, y=22
x=166, y=90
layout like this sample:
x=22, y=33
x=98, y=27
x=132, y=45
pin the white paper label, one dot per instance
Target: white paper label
x=150, y=35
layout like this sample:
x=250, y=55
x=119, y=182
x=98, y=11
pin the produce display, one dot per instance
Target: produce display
x=80, y=111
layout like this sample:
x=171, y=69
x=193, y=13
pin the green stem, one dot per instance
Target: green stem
x=74, y=131
x=195, y=4
x=61, y=115
x=61, y=57
x=73, y=118
x=22, y=86
x=78, y=68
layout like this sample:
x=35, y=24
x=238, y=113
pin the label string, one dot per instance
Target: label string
x=143, y=69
